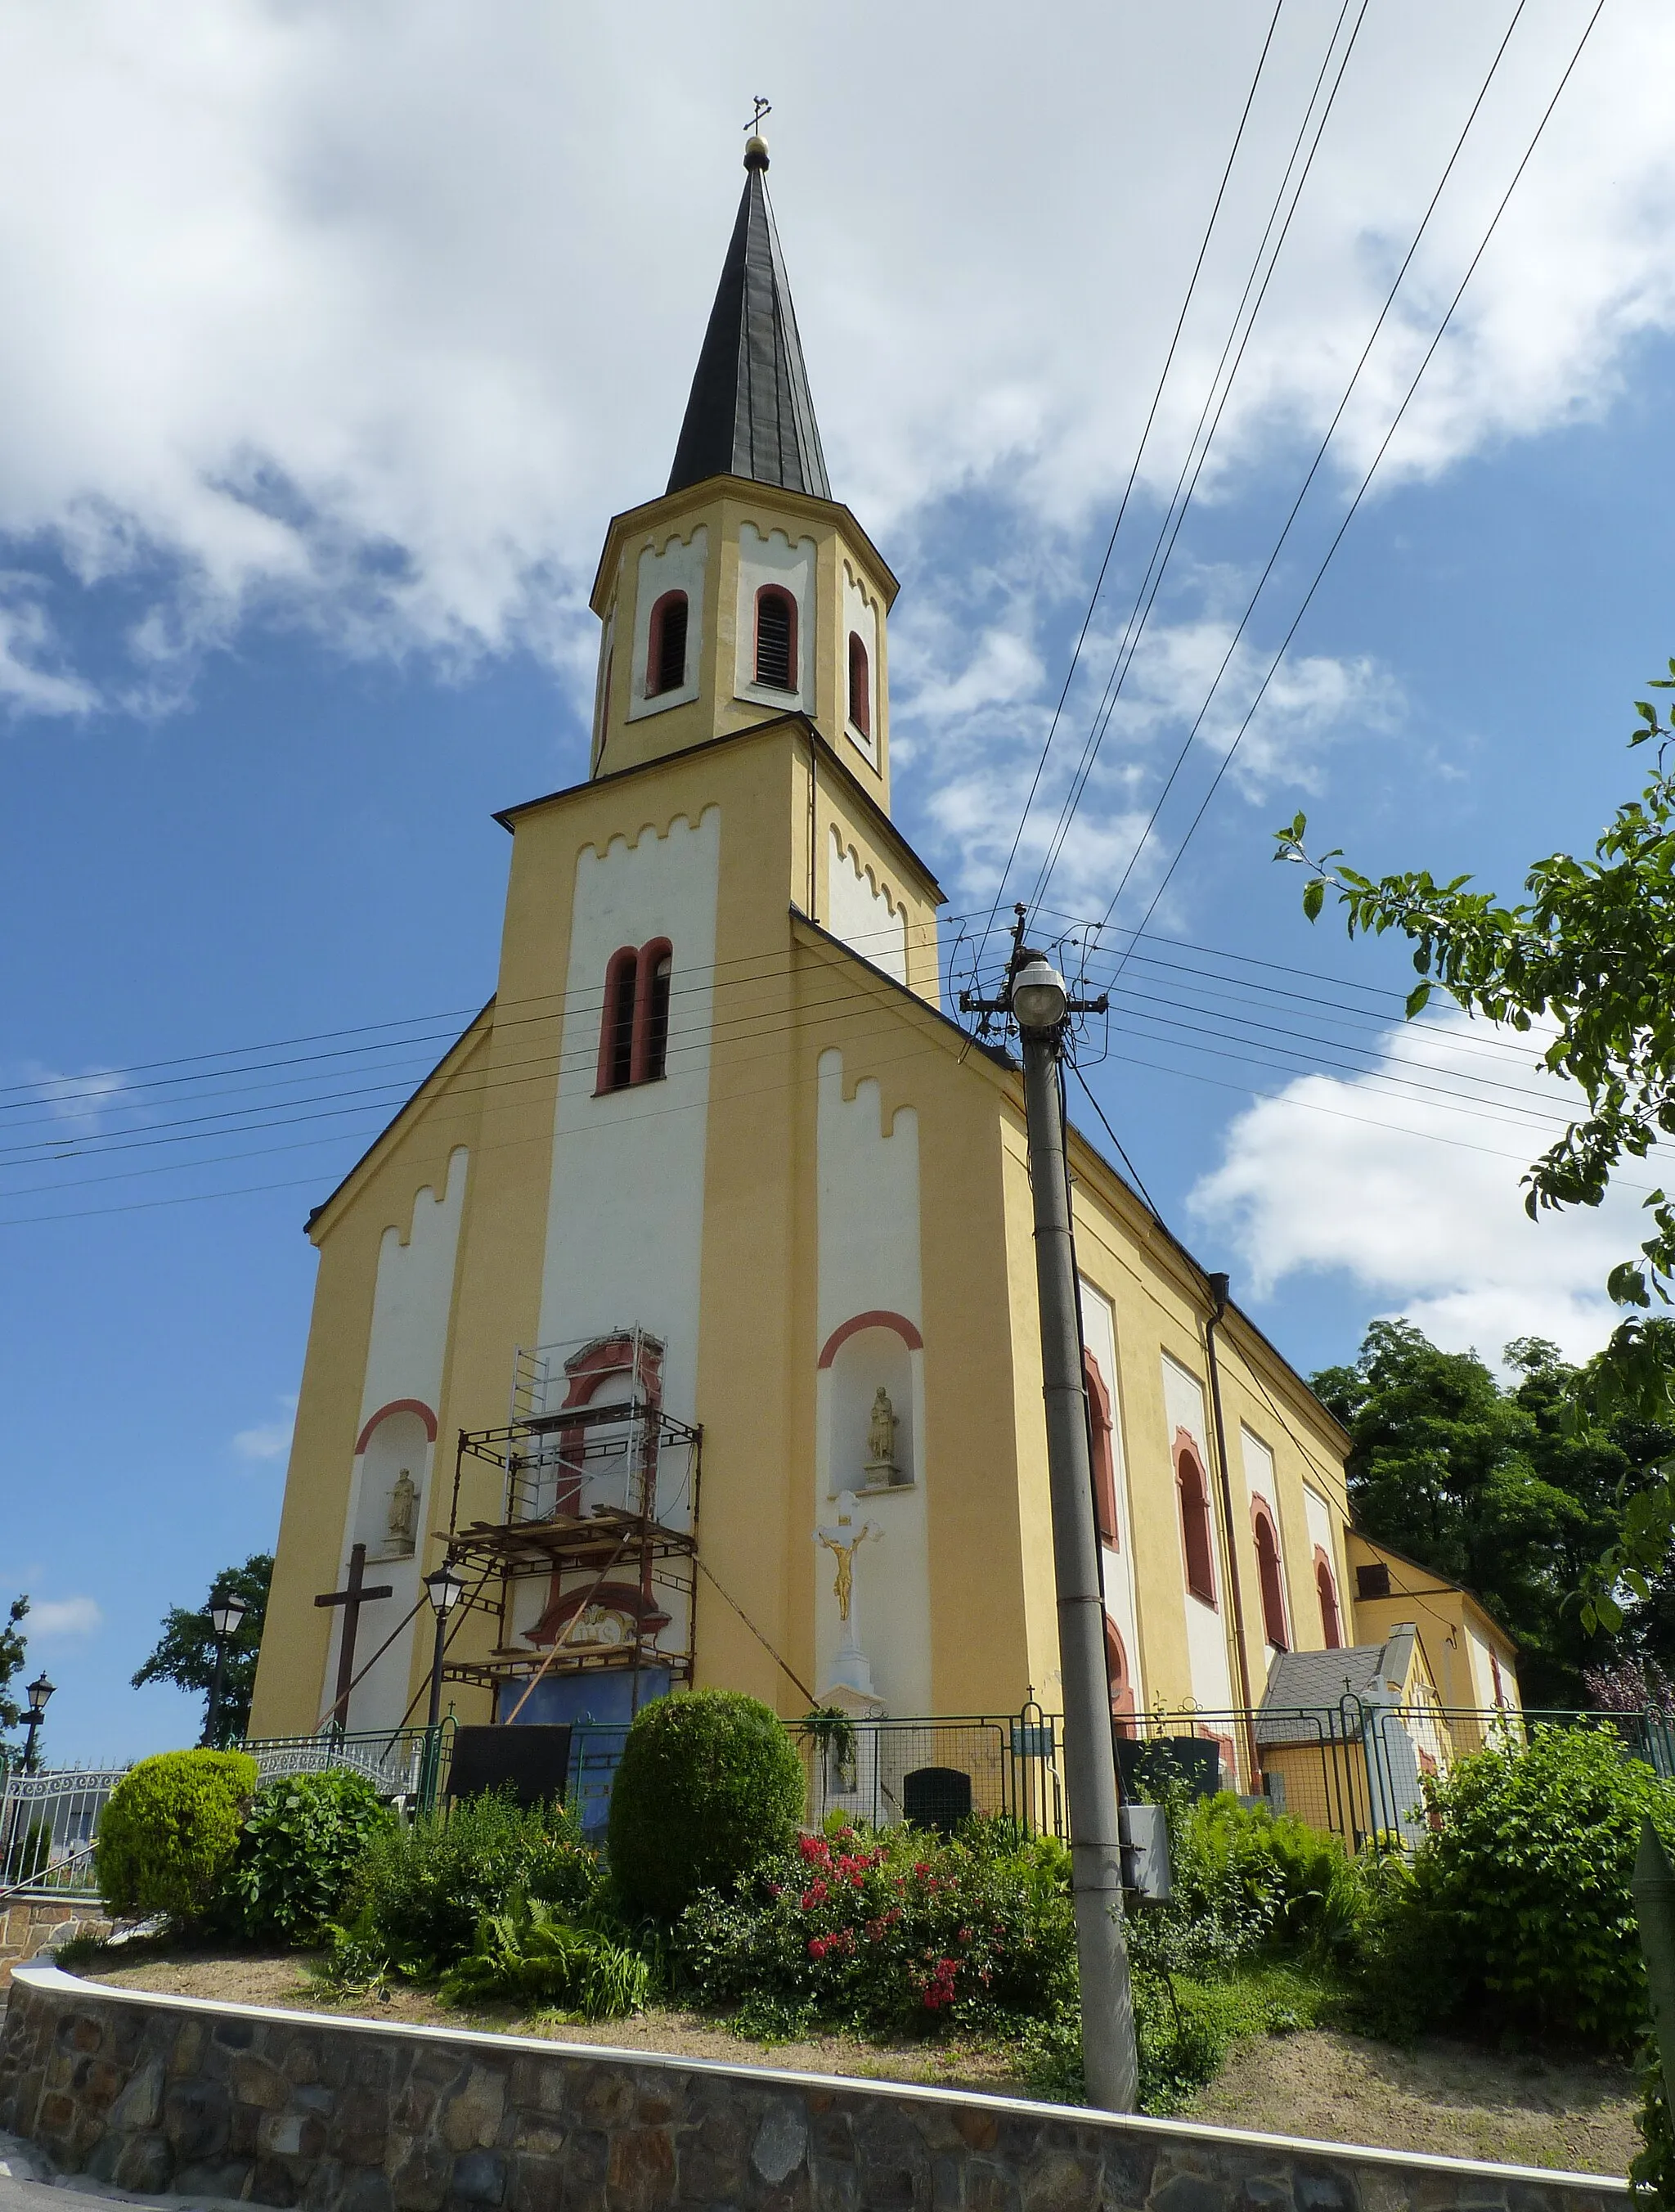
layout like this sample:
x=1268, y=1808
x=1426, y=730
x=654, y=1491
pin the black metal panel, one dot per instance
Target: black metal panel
x=533, y=1761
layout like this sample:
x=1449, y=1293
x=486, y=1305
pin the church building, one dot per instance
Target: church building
x=688, y=1307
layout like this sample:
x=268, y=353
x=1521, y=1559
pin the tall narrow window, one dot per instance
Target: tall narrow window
x=1100, y=1454
x=776, y=639
x=860, y=686
x=616, y=1026
x=1268, y=1575
x=1195, y=1525
x=1117, y=1677
x=651, y=1044
x=1327, y=1588
x=665, y=657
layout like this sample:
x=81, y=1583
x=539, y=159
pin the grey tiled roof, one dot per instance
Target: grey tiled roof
x=1316, y=1682
x=749, y=413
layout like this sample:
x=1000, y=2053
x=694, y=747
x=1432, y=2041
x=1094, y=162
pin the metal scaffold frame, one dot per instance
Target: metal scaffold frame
x=600, y=1483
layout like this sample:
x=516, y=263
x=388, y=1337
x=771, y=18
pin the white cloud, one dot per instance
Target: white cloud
x=268, y=1440
x=368, y=314
x=62, y=1616
x=1345, y=1177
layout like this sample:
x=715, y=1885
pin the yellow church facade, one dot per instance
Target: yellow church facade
x=689, y=1306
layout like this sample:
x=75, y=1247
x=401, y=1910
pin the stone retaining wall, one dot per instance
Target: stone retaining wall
x=31, y=1925
x=156, y=2092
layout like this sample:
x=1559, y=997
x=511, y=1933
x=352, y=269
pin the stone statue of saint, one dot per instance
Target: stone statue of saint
x=403, y=1512
x=881, y=1467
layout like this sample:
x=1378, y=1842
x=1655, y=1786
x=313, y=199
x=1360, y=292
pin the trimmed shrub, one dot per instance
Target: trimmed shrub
x=419, y=1892
x=710, y=1785
x=890, y=1930
x=169, y=1832
x=1517, y=1912
x=305, y=1838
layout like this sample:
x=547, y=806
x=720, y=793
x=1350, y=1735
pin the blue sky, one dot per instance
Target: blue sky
x=335, y=336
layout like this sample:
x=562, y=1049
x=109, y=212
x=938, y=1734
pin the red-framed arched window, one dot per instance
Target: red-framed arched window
x=1269, y=1578
x=1326, y=1585
x=776, y=638
x=1119, y=1679
x=666, y=651
x=1100, y=1455
x=634, y=1028
x=1195, y=1537
x=860, y=686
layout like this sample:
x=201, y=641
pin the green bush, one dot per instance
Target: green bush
x=169, y=1831
x=1516, y=1912
x=710, y=1785
x=303, y=1841
x=889, y=1930
x=529, y=1952
x=419, y=1892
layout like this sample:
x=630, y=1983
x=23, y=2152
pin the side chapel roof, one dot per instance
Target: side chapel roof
x=749, y=413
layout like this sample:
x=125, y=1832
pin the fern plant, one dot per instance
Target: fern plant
x=526, y=1951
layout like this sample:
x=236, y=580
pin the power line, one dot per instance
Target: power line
x=1361, y=493
x=1133, y=473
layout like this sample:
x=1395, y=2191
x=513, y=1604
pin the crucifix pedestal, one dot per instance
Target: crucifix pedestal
x=357, y=1594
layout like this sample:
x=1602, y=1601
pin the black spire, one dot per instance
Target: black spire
x=749, y=413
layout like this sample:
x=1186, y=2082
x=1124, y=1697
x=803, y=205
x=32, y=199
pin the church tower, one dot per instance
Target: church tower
x=746, y=590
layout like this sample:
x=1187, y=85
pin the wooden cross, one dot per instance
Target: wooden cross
x=352, y=1599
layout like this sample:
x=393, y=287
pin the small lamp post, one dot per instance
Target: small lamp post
x=38, y=1692
x=227, y=1613
x=445, y=1589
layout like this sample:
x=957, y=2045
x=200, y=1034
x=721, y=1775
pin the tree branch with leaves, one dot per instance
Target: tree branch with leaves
x=1587, y=961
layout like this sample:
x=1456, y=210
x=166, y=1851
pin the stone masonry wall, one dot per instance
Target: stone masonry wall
x=155, y=2093
x=31, y=1925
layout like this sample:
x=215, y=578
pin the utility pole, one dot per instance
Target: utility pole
x=1035, y=998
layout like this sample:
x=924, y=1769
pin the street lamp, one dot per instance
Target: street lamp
x=1035, y=997
x=445, y=1589
x=38, y=1692
x=227, y=1613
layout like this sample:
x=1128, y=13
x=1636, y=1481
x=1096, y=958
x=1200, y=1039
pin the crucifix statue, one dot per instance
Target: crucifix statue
x=357, y=1593
x=843, y=1542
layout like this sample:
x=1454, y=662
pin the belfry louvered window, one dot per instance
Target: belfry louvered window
x=776, y=639
x=665, y=657
x=860, y=686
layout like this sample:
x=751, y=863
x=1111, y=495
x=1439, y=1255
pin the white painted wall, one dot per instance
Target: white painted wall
x=676, y=566
x=625, y=1210
x=411, y=1303
x=775, y=560
x=1323, y=1536
x=1099, y=1334
x=1209, y=1666
x=859, y=910
x=869, y=1261
x=860, y=614
x=1259, y=1481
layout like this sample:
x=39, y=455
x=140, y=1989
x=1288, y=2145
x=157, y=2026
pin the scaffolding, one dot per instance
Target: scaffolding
x=599, y=1504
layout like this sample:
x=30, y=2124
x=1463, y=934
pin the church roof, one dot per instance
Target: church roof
x=749, y=413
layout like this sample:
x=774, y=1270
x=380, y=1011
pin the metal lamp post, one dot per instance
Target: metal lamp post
x=38, y=1693
x=1036, y=999
x=445, y=1589
x=227, y=1613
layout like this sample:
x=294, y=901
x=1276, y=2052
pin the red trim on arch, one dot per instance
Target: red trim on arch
x=876, y=1318
x=398, y=1406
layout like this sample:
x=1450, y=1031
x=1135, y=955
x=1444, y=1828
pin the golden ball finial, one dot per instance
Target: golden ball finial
x=755, y=151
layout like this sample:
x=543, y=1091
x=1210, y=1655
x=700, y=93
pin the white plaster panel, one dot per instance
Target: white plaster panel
x=1099, y=1335
x=860, y=615
x=775, y=560
x=1260, y=1481
x=677, y=566
x=1209, y=1666
x=412, y=1298
x=859, y=910
x=1322, y=1536
x=869, y=1261
x=625, y=1212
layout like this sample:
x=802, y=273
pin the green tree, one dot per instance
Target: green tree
x=1589, y=955
x=1499, y=1487
x=185, y=1652
x=13, y=1645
